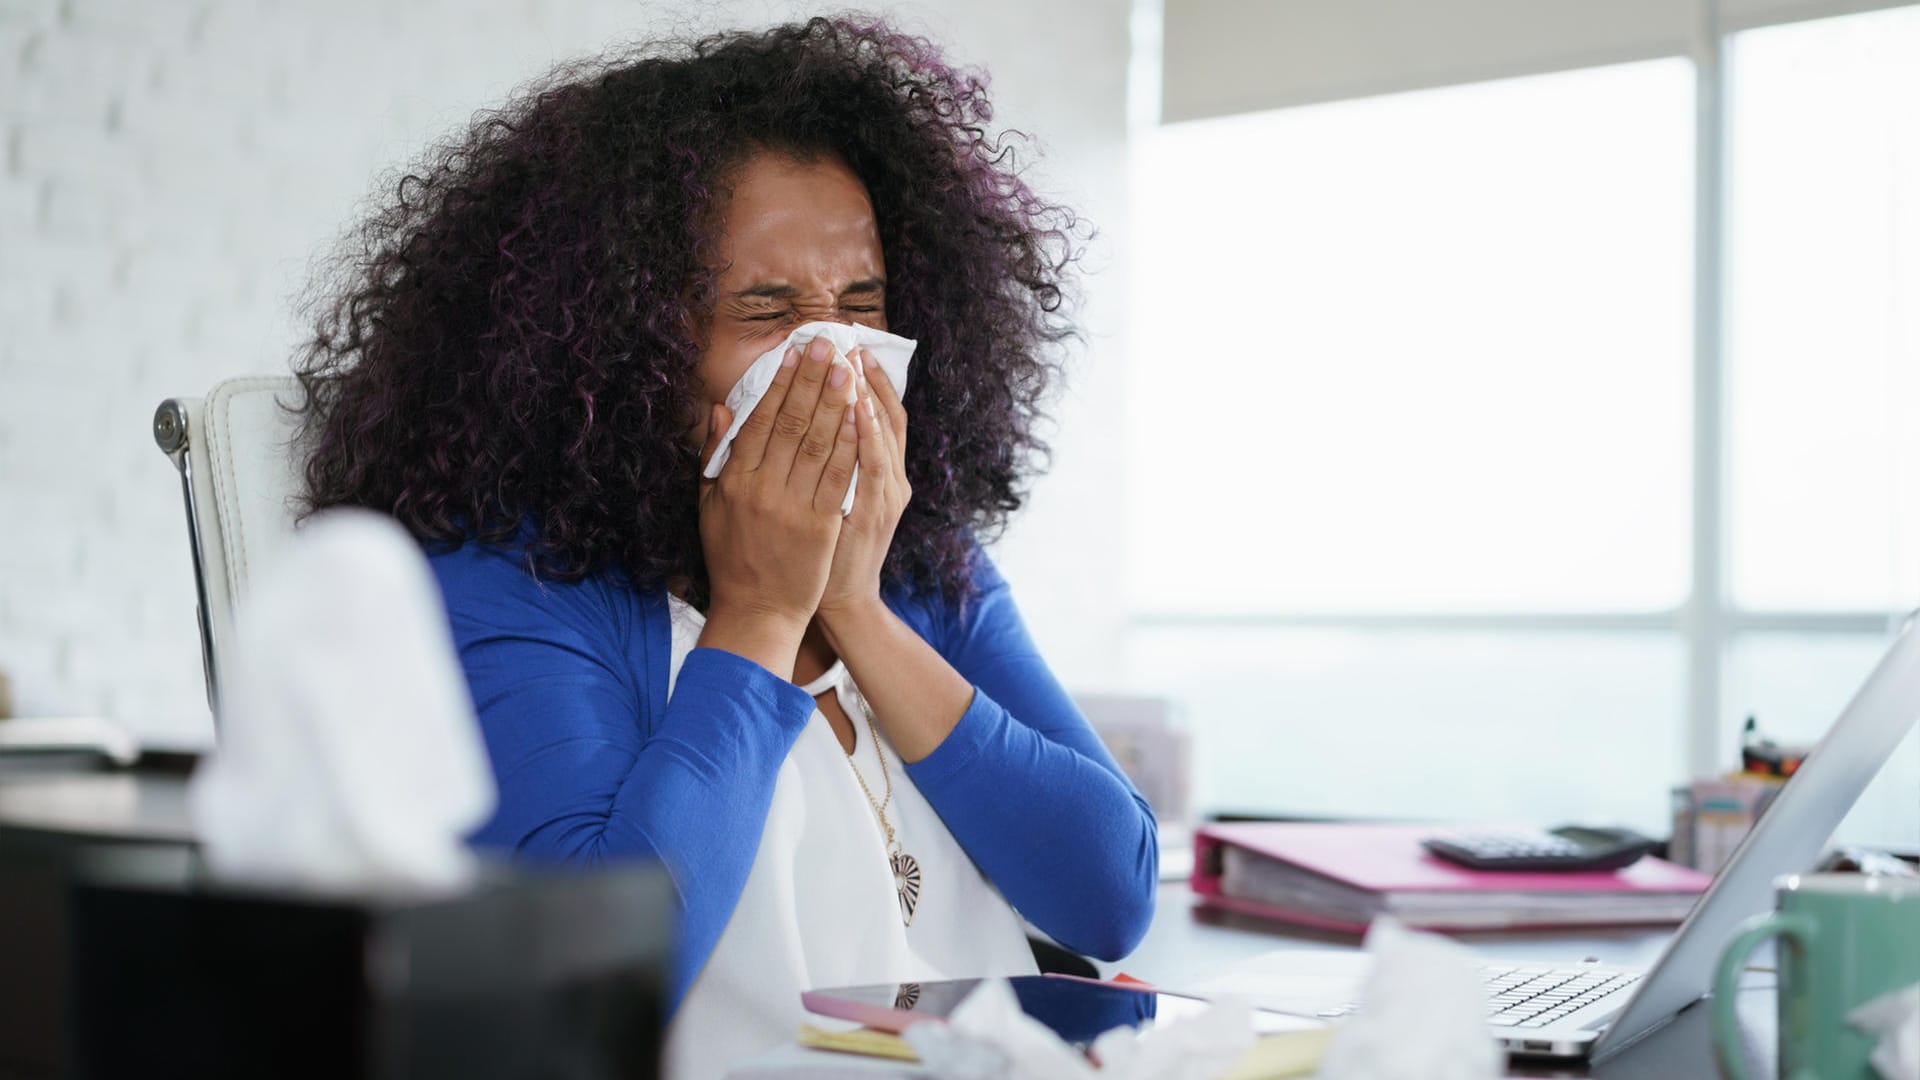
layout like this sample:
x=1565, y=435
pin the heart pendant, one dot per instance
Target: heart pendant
x=906, y=881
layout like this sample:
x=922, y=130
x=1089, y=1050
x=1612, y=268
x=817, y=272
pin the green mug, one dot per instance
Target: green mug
x=1846, y=939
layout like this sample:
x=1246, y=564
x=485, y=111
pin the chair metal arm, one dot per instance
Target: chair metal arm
x=172, y=431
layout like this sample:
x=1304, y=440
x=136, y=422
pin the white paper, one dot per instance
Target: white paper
x=892, y=352
x=1422, y=1015
x=1300, y=981
x=348, y=753
x=1894, y=1019
x=988, y=1036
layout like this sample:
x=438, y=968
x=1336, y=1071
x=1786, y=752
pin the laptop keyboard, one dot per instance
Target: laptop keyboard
x=1531, y=997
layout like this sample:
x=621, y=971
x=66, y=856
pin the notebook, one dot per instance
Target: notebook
x=1340, y=876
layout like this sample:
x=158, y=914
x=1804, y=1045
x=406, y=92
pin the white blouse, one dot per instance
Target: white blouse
x=820, y=907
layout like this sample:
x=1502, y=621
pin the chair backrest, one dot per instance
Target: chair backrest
x=235, y=453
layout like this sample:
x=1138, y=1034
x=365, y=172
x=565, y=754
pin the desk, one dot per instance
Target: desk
x=1182, y=946
x=1186, y=945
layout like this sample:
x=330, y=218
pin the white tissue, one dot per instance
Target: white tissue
x=1197, y=1048
x=892, y=352
x=1422, y=1015
x=988, y=1036
x=348, y=754
x=1895, y=1018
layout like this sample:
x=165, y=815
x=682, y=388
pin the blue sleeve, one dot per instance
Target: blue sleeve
x=1028, y=790
x=561, y=704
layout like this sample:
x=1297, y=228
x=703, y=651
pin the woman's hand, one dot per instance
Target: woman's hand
x=917, y=696
x=769, y=522
x=853, y=587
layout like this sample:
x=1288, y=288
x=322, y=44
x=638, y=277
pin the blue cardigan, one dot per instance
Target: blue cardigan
x=595, y=762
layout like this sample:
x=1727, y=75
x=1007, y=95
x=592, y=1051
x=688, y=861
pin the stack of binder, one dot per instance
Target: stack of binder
x=1340, y=877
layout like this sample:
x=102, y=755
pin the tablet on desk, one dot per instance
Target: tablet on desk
x=1075, y=1009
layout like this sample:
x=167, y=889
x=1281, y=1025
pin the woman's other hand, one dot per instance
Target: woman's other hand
x=769, y=522
x=853, y=586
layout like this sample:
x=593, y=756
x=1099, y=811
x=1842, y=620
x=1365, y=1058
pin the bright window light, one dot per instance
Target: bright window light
x=1823, y=324
x=1794, y=686
x=1427, y=351
x=1414, y=724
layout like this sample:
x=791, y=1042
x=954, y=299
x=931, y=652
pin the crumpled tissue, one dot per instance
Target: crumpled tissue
x=1422, y=1014
x=892, y=352
x=1895, y=1019
x=988, y=1036
x=349, y=756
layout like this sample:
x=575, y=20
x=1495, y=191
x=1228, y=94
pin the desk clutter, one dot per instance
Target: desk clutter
x=58, y=740
x=1343, y=877
x=1422, y=1019
x=1712, y=814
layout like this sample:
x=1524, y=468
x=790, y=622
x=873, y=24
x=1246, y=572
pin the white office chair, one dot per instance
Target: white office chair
x=239, y=478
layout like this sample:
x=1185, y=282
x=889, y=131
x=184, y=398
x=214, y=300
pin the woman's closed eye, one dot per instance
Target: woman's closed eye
x=777, y=316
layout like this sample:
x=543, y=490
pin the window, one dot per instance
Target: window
x=1823, y=375
x=1823, y=322
x=1410, y=440
x=1423, y=351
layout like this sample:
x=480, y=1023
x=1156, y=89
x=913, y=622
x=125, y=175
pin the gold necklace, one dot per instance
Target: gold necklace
x=906, y=871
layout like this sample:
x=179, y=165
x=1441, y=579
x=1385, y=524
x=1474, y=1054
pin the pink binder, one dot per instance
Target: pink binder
x=1384, y=867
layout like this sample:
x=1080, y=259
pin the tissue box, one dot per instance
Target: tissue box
x=527, y=974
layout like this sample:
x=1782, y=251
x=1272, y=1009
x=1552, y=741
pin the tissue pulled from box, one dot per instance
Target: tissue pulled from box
x=1893, y=1021
x=348, y=753
x=892, y=352
x=1422, y=1014
x=988, y=1035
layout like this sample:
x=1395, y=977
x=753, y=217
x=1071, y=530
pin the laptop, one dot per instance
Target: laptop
x=1593, y=1011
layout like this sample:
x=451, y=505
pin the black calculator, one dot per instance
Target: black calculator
x=1569, y=848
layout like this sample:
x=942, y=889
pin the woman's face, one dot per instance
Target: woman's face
x=797, y=243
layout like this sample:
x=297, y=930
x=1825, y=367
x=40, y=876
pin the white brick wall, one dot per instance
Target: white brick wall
x=168, y=168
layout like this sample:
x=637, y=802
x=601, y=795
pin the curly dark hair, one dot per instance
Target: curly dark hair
x=512, y=341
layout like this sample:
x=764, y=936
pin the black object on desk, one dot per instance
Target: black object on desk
x=528, y=974
x=1569, y=848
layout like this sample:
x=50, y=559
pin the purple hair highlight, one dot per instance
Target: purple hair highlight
x=506, y=350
